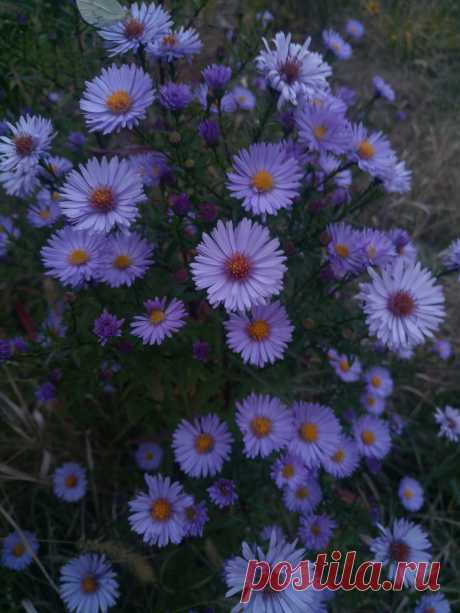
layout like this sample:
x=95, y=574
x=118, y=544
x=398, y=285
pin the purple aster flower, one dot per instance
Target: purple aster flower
x=303, y=498
x=118, y=98
x=175, y=45
x=223, y=493
x=335, y=43
x=263, y=336
x=45, y=392
x=405, y=248
x=76, y=140
x=382, y=89
x=343, y=460
x=5, y=350
x=349, y=370
x=317, y=431
x=322, y=129
x=201, y=447
x=379, y=248
x=244, y=98
x=196, y=516
x=264, y=178
x=217, y=76
x=56, y=167
x=239, y=266
x=268, y=600
x=379, y=381
x=18, y=345
x=88, y=583
x=403, y=305
x=411, y=494
x=443, y=348
x=20, y=182
x=373, y=403
x=181, y=204
x=125, y=258
x=404, y=541
x=151, y=166
x=433, y=603
x=107, y=326
x=201, y=350
x=142, y=24
x=175, y=96
x=266, y=424
x=210, y=132
x=347, y=95
x=17, y=550
x=158, y=515
x=397, y=178
x=277, y=531
x=69, y=482
x=315, y=531
x=289, y=471
x=161, y=321
x=372, y=436
x=292, y=69
x=264, y=17
x=372, y=152
x=345, y=249
x=44, y=213
x=102, y=194
x=148, y=456
x=449, y=421
x=72, y=256
x=451, y=256
x=29, y=142
x=354, y=28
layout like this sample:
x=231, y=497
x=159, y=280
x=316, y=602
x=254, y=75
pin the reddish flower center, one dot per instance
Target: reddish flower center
x=261, y=426
x=18, y=550
x=401, y=304
x=238, y=267
x=366, y=150
x=399, y=551
x=169, y=40
x=309, y=432
x=119, y=102
x=134, y=28
x=259, y=330
x=290, y=70
x=161, y=510
x=89, y=584
x=204, y=443
x=450, y=423
x=102, y=199
x=71, y=481
x=24, y=144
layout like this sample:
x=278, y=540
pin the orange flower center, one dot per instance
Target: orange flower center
x=342, y=250
x=78, y=257
x=238, y=267
x=309, y=432
x=259, y=330
x=119, y=102
x=371, y=401
x=302, y=493
x=71, y=481
x=122, y=262
x=401, y=304
x=89, y=584
x=408, y=494
x=102, y=199
x=262, y=181
x=169, y=40
x=157, y=316
x=261, y=426
x=24, y=144
x=366, y=150
x=344, y=365
x=338, y=456
x=204, y=443
x=320, y=132
x=376, y=381
x=18, y=550
x=288, y=471
x=55, y=196
x=368, y=437
x=44, y=214
x=161, y=510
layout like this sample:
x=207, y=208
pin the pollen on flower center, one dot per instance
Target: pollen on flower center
x=368, y=437
x=262, y=181
x=399, y=551
x=18, y=550
x=122, y=262
x=261, y=426
x=44, y=213
x=302, y=493
x=309, y=432
x=157, y=316
x=320, y=132
x=366, y=150
x=259, y=330
x=342, y=250
x=376, y=381
x=102, y=199
x=71, y=481
x=134, y=28
x=89, y=584
x=78, y=257
x=338, y=456
x=288, y=471
x=161, y=509
x=24, y=144
x=169, y=40
x=238, y=267
x=204, y=443
x=401, y=304
x=408, y=494
x=290, y=70
x=344, y=365
x=55, y=196
x=119, y=102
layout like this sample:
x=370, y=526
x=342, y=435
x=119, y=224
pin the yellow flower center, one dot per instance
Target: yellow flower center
x=161, y=510
x=376, y=381
x=262, y=181
x=320, y=132
x=338, y=456
x=119, y=102
x=259, y=330
x=342, y=250
x=169, y=40
x=204, y=443
x=122, y=262
x=44, y=214
x=288, y=471
x=309, y=432
x=78, y=257
x=157, y=316
x=89, y=585
x=408, y=494
x=344, y=365
x=368, y=437
x=18, y=550
x=261, y=426
x=366, y=150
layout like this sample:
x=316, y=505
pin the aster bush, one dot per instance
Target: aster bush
x=210, y=328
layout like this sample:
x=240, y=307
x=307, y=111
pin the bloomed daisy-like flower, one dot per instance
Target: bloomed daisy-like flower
x=335, y=43
x=289, y=470
x=268, y=600
x=55, y=167
x=118, y=98
x=161, y=321
x=372, y=152
x=411, y=494
x=379, y=381
x=303, y=498
x=451, y=256
x=372, y=436
x=264, y=178
x=266, y=424
x=159, y=514
x=17, y=550
x=323, y=129
x=372, y=403
x=201, y=447
x=382, y=89
x=354, y=28
x=244, y=98
x=142, y=24
x=292, y=69
x=263, y=336
x=125, y=257
x=196, y=516
x=239, y=266
x=349, y=370
x=403, y=305
x=223, y=493
x=404, y=541
x=449, y=421
x=151, y=166
x=72, y=256
x=345, y=249
x=69, y=482
x=405, y=248
x=175, y=45
x=148, y=456
x=102, y=194
x=443, y=348
x=88, y=583
x=317, y=431
x=343, y=460
x=29, y=142
x=315, y=531
x=45, y=212
x=397, y=178
x=20, y=182
x=433, y=603
x=379, y=249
